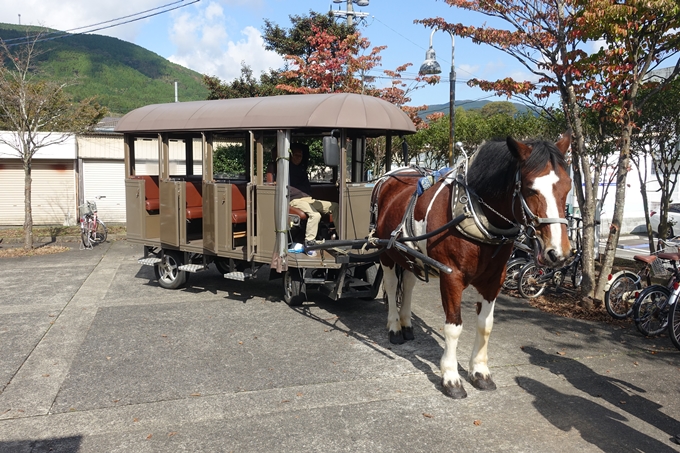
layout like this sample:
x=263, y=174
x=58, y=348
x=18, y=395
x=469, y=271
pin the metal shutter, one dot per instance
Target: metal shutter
x=53, y=192
x=106, y=178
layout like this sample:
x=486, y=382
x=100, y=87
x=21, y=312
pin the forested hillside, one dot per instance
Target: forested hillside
x=122, y=75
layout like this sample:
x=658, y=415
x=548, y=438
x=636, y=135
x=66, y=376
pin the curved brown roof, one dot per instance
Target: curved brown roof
x=323, y=111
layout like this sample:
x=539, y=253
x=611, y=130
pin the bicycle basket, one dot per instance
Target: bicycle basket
x=658, y=268
x=85, y=209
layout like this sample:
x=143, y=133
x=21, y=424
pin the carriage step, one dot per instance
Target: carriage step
x=240, y=276
x=149, y=261
x=192, y=268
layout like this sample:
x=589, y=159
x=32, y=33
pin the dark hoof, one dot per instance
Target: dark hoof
x=408, y=333
x=396, y=337
x=457, y=392
x=482, y=383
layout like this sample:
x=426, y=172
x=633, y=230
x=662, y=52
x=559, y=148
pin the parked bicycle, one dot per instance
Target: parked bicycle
x=521, y=255
x=624, y=287
x=92, y=229
x=653, y=306
x=674, y=324
x=533, y=279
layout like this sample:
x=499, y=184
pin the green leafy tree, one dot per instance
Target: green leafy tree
x=37, y=113
x=245, y=86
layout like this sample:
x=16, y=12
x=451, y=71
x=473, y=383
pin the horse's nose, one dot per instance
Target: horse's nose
x=552, y=255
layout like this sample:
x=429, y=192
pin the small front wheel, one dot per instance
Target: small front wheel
x=294, y=289
x=167, y=271
x=620, y=296
x=531, y=281
x=650, y=311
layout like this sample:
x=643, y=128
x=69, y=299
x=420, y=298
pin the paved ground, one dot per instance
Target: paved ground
x=95, y=357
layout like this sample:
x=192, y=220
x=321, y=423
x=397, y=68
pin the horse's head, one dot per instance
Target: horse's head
x=545, y=183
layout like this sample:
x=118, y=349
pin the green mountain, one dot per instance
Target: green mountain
x=123, y=76
x=467, y=105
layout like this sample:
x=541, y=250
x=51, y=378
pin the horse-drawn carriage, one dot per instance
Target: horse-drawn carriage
x=188, y=216
x=461, y=229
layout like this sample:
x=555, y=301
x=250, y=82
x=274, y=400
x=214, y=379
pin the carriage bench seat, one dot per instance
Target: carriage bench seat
x=239, y=214
x=297, y=215
x=194, y=198
x=151, y=195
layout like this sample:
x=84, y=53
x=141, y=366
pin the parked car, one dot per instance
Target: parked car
x=673, y=219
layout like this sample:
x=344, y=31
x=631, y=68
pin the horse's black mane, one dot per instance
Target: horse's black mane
x=492, y=173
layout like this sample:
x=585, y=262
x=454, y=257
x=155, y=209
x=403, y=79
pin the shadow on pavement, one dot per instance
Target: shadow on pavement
x=54, y=445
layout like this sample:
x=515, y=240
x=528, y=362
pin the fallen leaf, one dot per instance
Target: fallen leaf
x=108, y=358
x=425, y=414
x=622, y=402
x=196, y=394
x=240, y=342
x=561, y=352
x=164, y=336
x=46, y=375
x=298, y=394
x=115, y=401
x=285, y=401
x=172, y=433
x=635, y=364
x=149, y=436
x=477, y=422
x=135, y=420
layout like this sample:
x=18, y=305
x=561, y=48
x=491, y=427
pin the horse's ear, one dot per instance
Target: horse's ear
x=519, y=150
x=564, y=143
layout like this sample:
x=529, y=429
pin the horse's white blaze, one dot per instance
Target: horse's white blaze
x=480, y=358
x=545, y=186
x=449, y=362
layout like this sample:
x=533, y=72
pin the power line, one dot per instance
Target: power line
x=64, y=34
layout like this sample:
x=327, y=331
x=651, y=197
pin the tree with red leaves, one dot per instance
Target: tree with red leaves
x=548, y=38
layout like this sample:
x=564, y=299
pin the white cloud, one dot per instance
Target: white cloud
x=204, y=45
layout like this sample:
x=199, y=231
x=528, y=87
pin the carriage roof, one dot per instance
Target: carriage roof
x=371, y=115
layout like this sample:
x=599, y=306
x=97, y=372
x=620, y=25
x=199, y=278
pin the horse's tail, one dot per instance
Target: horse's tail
x=399, y=271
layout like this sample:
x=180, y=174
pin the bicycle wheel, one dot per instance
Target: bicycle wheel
x=650, y=311
x=620, y=296
x=512, y=272
x=85, y=237
x=531, y=281
x=100, y=234
x=674, y=324
x=577, y=274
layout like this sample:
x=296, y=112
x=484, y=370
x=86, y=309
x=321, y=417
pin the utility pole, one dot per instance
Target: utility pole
x=349, y=13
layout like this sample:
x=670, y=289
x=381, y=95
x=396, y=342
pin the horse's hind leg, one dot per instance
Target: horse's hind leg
x=409, y=282
x=391, y=283
x=478, y=372
x=451, y=291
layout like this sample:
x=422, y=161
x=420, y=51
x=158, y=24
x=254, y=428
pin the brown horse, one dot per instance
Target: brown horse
x=510, y=186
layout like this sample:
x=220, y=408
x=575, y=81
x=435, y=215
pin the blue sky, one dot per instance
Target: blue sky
x=214, y=36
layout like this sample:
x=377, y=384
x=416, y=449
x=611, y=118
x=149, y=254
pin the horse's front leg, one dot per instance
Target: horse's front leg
x=451, y=290
x=478, y=371
x=409, y=282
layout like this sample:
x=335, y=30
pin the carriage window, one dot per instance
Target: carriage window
x=318, y=171
x=146, y=156
x=179, y=149
x=230, y=158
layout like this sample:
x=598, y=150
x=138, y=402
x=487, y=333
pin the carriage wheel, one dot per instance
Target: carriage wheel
x=167, y=271
x=222, y=265
x=294, y=289
x=531, y=282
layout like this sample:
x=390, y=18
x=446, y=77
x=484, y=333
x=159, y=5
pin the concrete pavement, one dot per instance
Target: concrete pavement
x=95, y=357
